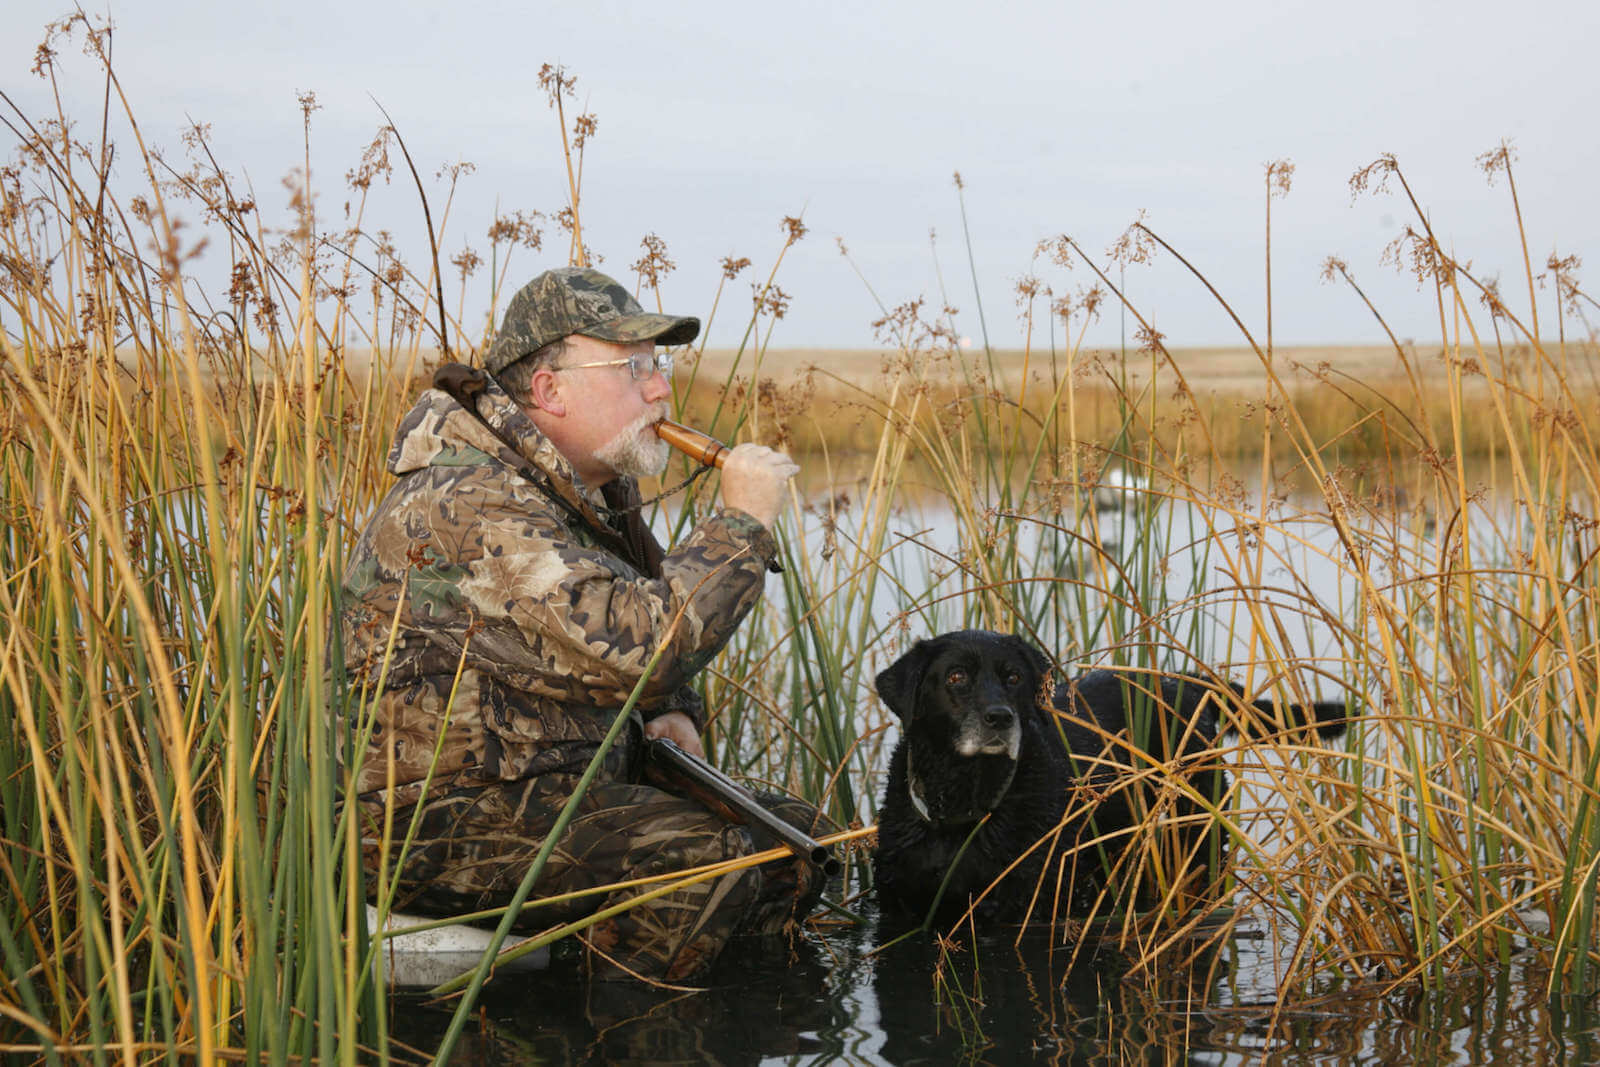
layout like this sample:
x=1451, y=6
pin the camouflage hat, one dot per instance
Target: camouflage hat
x=572, y=300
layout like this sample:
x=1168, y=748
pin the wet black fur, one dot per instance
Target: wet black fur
x=983, y=689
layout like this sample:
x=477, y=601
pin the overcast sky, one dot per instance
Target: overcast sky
x=716, y=120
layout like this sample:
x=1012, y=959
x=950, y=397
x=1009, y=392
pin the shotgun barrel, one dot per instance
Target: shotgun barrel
x=674, y=767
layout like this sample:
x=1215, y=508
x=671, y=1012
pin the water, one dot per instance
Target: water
x=837, y=999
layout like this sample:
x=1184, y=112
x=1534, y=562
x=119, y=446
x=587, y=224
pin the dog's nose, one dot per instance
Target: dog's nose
x=998, y=717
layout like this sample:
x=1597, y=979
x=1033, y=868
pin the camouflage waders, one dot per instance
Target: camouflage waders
x=473, y=846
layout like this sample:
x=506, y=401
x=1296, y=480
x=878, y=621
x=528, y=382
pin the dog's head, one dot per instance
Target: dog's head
x=963, y=700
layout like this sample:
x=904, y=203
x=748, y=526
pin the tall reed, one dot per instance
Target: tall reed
x=181, y=473
x=182, y=467
x=1445, y=589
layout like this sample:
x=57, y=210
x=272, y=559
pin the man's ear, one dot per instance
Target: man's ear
x=546, y=393
x=897, y=683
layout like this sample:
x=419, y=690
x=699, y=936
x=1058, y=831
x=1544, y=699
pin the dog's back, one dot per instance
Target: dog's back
x=1156, y=707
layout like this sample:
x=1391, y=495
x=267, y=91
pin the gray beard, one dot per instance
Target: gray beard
x=636, y=451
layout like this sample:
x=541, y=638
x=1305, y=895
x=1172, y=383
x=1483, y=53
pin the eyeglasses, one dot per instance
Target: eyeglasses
x=641, y=364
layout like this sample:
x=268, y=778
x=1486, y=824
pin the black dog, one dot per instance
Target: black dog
x=978, y=737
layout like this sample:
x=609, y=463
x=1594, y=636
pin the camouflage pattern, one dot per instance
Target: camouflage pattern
x=522, y=619
x=489, y=555
x=581, y=300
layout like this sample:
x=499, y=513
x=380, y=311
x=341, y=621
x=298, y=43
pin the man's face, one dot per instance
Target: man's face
x=611, y=414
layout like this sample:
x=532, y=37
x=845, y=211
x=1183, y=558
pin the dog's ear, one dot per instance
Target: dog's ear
x=1037, y=660
x=898, y=682
x=1040, y=664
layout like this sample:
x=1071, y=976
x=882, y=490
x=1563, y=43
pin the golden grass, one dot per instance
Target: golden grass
x=179, y=483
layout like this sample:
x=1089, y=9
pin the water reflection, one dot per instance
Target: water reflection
x=838, y=999
x=766, y=1001
x=1002, y=1001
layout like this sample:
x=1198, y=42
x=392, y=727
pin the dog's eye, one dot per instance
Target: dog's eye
x=956, y=677
x=1013, y=678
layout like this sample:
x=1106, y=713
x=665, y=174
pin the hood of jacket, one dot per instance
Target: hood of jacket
x=468, y=419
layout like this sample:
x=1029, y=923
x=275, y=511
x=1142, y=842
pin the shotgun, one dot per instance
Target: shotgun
x=670, y=765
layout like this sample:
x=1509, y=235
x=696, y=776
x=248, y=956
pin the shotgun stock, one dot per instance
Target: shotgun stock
x=672, y=766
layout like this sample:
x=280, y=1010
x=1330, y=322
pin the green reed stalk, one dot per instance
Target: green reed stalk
x=179, y=486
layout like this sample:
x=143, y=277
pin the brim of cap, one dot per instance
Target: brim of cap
x=647, y=326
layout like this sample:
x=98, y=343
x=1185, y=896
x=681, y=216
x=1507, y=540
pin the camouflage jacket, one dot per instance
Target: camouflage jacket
x=489, y=557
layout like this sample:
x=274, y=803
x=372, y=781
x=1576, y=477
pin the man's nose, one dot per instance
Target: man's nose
x=655, y=388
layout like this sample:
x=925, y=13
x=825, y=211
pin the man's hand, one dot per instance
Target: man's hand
x=678, y=728
x=754, y=480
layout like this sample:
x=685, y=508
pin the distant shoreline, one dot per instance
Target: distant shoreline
x=1219, y=368
x=1207, y=369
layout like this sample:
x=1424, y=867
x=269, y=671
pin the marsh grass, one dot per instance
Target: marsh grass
x=816, y=408
x=182, y=467
x=1459, y=818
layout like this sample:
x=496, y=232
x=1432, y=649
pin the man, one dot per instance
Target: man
x=525, y=596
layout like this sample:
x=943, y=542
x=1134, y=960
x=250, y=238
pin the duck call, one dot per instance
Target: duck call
x=704, y=449
x=701, y=447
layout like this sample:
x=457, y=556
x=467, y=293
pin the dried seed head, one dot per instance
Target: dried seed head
x=1565, y=271
x=1497, y=159
x=1491, y=299
x=467, y=262
x=44, y=55
x=1059, y=248
x=44, y=58
x=1089, y=301
x=654, y=264
x=455, y=170
x=1027, y=287
x=1135, y=245
x=1563, y=265
x=582, y=129
x=241, y=283
x=374, y=162
x=1420, y=255
x=895, y=326
x=770, y=301
x=10, y=195
x=1279, y=174
x=1379, y=170
x=518, y=228
x=556, y=83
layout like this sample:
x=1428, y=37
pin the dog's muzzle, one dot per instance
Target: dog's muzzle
x=975, y=771
x=993, y=731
